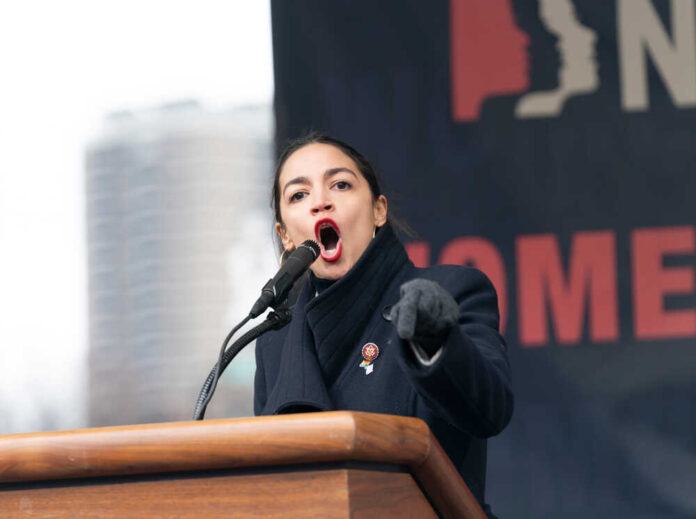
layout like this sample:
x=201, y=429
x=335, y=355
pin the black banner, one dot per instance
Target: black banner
x=553, y=145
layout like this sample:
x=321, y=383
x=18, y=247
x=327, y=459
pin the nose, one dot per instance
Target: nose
x=321, y=204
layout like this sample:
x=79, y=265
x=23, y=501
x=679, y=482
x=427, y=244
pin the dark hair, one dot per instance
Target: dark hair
x=364, y=166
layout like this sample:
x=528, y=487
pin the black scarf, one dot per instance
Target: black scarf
x=325, y=329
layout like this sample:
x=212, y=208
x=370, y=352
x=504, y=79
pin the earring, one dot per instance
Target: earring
x=283, y=256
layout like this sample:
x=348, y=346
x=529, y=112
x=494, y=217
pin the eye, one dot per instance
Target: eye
x=296, y=197
x=342, y=185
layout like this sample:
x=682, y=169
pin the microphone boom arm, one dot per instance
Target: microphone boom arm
x=274, y=321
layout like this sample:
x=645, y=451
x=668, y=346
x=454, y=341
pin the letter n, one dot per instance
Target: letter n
x=590, y=284
x=640, y=32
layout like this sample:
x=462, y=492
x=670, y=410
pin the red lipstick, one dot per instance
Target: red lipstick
x=329, y=239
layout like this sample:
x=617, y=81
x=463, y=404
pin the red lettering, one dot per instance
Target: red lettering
x=540, y=278
x=419, y=253
x=652, y=281
x=485, y=256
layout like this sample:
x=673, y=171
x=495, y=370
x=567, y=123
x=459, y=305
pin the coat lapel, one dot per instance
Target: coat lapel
x=338, y=317
x=300, y=382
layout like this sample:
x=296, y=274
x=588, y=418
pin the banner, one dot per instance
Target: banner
x=552, y=144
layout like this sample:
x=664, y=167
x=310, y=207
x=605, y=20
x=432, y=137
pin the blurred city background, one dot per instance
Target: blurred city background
x=137, y=147
x=549, y=143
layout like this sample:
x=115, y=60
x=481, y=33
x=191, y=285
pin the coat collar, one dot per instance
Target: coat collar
x=325, y=328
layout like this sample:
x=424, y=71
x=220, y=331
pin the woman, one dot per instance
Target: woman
x=371, y=332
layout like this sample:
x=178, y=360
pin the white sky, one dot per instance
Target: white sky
x=63, y=66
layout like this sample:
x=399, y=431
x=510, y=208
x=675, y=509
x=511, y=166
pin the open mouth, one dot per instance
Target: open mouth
x=329, y=239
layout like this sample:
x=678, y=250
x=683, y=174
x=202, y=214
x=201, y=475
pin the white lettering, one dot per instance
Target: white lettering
x=640, y=32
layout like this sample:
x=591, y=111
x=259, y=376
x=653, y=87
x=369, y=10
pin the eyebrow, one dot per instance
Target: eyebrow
x=327, y=174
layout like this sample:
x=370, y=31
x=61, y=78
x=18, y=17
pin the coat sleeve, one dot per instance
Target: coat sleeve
x=469, y=384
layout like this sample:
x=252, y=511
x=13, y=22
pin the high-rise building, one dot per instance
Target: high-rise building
x=179, y=244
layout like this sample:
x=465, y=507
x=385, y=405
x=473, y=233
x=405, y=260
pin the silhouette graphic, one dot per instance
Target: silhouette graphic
x=578, y=73
x=488, y=54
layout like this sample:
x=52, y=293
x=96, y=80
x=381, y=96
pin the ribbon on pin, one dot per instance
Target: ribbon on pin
x=369, y=353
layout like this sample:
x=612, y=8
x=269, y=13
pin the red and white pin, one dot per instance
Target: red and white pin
x=369, y=353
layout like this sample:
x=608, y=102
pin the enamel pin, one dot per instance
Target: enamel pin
x=369, y=353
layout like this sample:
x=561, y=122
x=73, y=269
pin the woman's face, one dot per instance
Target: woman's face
x=324, y=197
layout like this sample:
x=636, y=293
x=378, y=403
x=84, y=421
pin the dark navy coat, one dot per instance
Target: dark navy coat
x=314, y=362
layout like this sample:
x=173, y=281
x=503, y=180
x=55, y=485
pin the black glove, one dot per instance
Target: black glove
x=425, y=314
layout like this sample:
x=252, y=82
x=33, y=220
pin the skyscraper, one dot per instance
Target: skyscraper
x=179, y=244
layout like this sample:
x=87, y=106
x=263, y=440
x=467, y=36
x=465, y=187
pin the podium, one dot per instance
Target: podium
x=315, y=465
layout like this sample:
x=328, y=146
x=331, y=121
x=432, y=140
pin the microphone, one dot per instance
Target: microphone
x=276, y=290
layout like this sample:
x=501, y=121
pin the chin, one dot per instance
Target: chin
x=331, y=271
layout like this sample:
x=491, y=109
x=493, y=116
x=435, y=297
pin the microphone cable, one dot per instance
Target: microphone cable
x=274, y=320
x=217, y=371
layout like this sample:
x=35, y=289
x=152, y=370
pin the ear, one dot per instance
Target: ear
x=284, y=238
x=380, y=210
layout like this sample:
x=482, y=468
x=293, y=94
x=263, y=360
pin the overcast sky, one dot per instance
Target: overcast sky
x=64, y=66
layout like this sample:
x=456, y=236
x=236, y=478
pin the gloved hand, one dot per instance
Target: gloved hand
x=425, y=314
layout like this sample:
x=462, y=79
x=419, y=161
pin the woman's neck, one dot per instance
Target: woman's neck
x=320, y=284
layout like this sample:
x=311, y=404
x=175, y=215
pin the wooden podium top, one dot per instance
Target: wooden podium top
x=296, y=439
